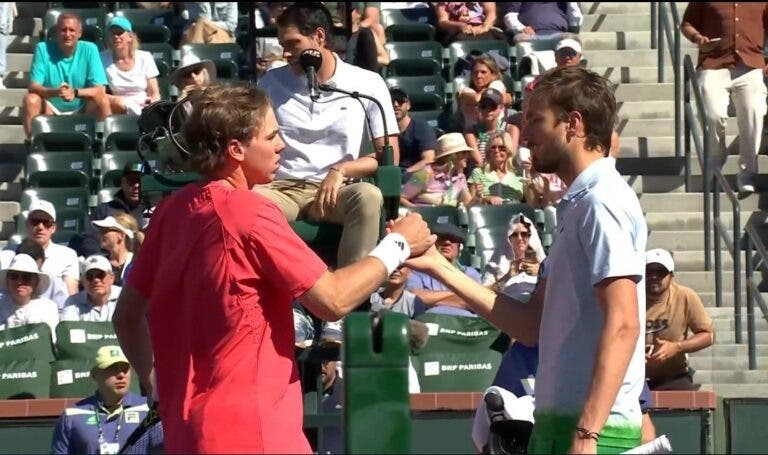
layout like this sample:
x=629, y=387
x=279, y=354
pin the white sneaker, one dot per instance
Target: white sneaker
x=745, y=182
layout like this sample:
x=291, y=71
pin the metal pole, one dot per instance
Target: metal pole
x=707, y=201
x=654, y=30
x=750, y=308
x=687, y=129
x=737, y=270
x=676, y=69
x=660, y=42
x=718, y=258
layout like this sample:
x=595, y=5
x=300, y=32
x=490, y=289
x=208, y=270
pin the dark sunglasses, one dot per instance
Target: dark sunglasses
x=20, y=276
x=566, y=52
x=45, y=222
x=523, y=235
x=93, y=274
x=497, y=147
x=116, y=31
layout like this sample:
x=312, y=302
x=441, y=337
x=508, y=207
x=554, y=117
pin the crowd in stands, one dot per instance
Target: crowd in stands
x=476, y=158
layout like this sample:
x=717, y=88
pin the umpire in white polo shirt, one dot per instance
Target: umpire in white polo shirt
x=323, y=138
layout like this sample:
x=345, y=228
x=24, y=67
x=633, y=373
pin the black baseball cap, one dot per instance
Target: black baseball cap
x=448, y=230
x=133, y=166
x=398, y=95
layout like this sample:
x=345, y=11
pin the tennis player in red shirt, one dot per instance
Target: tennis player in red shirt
x=213, y=286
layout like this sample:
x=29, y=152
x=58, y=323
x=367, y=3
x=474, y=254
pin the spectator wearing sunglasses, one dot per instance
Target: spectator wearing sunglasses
x=21, y=285
x=495, y=183
x=416, y=139
x=568, y=51
x=492, y=119
x=57, y=290
x=60, y=261
x=97, y=301
x=121, y=239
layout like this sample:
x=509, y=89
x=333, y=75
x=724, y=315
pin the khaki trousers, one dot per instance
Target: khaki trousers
x=205, y=31
x=358, y=210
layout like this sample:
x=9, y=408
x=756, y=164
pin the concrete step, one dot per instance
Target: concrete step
x=729, y=337
x=11, y=115
x=702, y=281
x=721, y=313
x=708, y=299
x=661, y=109
x=676, y=240
x=689, y=202
x=656, y=183
x=644, y=92
x=12, y=97
x=731, y=377
x=631, y=74
x=18, y=62
x=11, y=134
x=589, y=8
x=679, y=221
x=724, y=363
x=630, y=57
x=630, y=40
x=727, y=350
x=737, y=390
x=22, y=44
x=654, y=126
x=602, y=22
x=729, y=325
x=8, y=210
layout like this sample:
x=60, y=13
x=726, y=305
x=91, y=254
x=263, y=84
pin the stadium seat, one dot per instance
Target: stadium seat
x=121, y=133
x=81, y=340
x=462, y=355
x=148, y=16
x=163, y=55
x=226, y=57
x=480, y=216
x=409, y=24
x=439, y=214
x=89, y=16
x=30, y=341
x=72, y=379
x=54, y=133
x=409, y=32
x=67, y=220
x=152, y=33
x=414, y=58
x=460, y=49
x=416, y=85
x=25, y=379
x=61, y=198
x=59, y=169
x=112, y=164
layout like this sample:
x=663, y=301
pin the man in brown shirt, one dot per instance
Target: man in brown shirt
x=671, y=311
x=730, y=37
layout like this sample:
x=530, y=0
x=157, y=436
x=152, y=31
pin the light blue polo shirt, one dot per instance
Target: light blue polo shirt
x=601, y=234
x=81, y=70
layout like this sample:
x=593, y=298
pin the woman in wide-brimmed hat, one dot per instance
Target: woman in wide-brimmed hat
x=20, y=303
x=192, y=74
x=443, y=182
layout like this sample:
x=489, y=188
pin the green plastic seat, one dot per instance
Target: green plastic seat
x=162, y=53
x=121, y=133
x=440, y=214
x=417, y=85
x=460, y=49
x=421, y=102
x=414, y=51
x=59, y=169
x=461, y=355
x=409, y=32
x=480, y=216
x=61, y=198
x=81, y=340
x=152, y=33
x=225, y=56
x=112, y=164
x=53, y=133
x=25, y=379
x=408, y=16
x=67, y=220
x=88, y=16
x=413, y=67
x=148, y=16
x=30, y=341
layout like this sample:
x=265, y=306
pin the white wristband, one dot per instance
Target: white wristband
x=393, y=251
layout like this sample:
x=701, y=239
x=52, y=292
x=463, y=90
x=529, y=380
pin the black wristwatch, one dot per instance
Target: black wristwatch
x=77, y=94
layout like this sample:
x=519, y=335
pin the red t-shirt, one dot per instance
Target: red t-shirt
x=220, y=268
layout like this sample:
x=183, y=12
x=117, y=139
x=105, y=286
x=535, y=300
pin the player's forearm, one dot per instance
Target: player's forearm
x=617, y=344
x=518, y=320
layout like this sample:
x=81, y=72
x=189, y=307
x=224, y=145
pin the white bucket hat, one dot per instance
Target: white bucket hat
x=451, y=143
x=111, y=223
x=187, y=63
x=25, y=263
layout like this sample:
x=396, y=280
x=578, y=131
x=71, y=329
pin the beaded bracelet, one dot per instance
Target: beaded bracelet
x=586, y=434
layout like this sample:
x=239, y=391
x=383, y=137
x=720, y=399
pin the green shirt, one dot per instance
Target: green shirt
x=509, y=188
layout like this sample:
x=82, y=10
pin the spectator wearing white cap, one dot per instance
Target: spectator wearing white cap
x=192, y=74
x=672, y=310
x=20, y=303
x=96, y=303
x=120, y=239
x=60, y=261
x=568, y=51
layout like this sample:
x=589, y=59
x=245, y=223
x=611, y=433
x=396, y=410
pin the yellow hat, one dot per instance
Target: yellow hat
x=107, y=356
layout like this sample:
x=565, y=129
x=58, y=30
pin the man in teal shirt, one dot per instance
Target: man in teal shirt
x=66, y=76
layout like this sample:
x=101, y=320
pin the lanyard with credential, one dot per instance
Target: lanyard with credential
x=101, y=430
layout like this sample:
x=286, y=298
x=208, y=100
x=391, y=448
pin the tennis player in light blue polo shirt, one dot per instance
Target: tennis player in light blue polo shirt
x=589, y=306
x=66, y=76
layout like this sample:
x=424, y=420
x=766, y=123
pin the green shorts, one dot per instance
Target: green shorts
x=553, y=434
